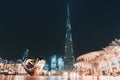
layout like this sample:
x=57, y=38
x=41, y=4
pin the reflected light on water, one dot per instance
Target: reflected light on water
x=11, y=77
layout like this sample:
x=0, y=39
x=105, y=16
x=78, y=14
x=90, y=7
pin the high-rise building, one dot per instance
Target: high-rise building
x=54, y=63
x=69, y=54
x=57, y=63
x=46, y=67
x=60, y=64
x=25, y=54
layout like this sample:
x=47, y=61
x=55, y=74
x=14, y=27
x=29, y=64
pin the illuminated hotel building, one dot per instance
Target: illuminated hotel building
x=103, y=62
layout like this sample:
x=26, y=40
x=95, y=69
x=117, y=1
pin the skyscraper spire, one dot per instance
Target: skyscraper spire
x=68, y=12
x=68, y=18
x=69, y=54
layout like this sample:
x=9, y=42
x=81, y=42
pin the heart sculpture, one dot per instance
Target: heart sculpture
x=33, y=66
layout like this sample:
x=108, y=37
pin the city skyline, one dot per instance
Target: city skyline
x=41, y=26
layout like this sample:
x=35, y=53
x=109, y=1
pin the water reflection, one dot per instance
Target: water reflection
x=11, y=77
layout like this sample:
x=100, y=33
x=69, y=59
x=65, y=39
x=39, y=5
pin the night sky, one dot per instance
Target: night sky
x=40, y=26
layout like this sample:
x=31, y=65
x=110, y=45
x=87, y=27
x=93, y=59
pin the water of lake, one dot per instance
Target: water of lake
x=17, y=77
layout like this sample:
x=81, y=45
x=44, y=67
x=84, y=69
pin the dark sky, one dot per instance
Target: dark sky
x=40, y=26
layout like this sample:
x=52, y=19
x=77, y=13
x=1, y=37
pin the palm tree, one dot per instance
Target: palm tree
x=116, y=42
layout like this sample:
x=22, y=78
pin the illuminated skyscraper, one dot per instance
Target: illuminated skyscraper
x=25, y=54
x=53, y=63
x=69, y=54
x=46, y=67
x=60, y=64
